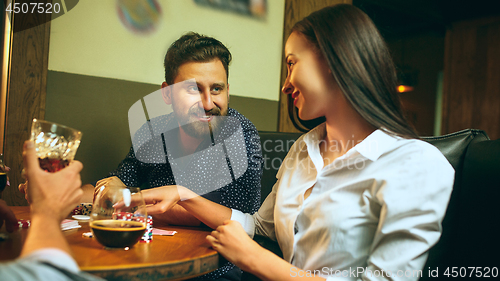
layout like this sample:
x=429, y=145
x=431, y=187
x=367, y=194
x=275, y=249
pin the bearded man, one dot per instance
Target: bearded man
x=203, y=144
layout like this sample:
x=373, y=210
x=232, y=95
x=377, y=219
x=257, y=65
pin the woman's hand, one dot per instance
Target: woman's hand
x=231, y=241
x=161, y=199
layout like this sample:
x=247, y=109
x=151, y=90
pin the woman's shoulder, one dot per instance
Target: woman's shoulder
x=419, y=152
x=417, y=145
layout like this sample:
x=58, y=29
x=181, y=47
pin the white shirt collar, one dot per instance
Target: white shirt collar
x=372, y=147
x=376, y=144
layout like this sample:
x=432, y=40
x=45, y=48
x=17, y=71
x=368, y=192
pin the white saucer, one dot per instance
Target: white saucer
x=81, y=217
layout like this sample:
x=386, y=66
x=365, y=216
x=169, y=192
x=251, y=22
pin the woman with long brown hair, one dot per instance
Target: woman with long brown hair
x=358, y=196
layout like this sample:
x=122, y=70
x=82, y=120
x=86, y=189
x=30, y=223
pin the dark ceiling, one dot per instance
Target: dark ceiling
x=400, y=18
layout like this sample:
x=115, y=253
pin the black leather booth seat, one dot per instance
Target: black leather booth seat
x=470, y=227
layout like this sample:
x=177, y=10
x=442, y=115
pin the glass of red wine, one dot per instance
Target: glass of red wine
x=118, y=219
x=55, y=144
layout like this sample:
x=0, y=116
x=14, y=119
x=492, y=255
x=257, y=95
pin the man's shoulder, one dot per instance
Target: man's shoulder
x=234, y=113
x=246, y=124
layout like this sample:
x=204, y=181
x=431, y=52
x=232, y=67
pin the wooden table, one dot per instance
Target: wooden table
x=182, y=256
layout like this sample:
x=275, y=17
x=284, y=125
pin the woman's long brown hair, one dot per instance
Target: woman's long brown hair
x=360, y=63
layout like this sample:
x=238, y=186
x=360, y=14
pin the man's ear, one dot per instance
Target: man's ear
x=228, y=93
x=166, y=93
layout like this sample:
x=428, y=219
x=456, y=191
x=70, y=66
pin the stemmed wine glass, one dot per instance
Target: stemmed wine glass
x=118, y=218
x=55, y=144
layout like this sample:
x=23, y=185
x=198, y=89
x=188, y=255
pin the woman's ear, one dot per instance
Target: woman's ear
x=166, y=93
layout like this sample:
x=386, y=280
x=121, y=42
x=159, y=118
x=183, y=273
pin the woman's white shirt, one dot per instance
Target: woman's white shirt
x=377, y=208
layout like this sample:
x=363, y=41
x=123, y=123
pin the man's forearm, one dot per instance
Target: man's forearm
x=45, y=232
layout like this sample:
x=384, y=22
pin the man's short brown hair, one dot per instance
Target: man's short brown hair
x=193, y=47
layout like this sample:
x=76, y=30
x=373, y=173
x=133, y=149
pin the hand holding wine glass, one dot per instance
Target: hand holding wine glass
x=106, y=181
x=53, y=194
x=55, y=144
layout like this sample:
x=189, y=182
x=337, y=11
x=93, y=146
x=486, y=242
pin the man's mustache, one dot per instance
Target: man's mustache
x=214, y=111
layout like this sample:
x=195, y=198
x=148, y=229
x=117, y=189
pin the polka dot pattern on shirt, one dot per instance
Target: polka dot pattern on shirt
x=236, y=185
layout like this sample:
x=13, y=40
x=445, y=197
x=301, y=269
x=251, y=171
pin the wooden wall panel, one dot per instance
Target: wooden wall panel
x=421, y=55
x=295, y=10
x=5, y=37
x=471, y=87
x=27, y=91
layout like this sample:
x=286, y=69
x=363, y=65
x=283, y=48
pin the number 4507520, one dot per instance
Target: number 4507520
x=471, y=271
x=33, y=8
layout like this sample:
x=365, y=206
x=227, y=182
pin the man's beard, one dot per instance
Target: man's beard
x=199, y=129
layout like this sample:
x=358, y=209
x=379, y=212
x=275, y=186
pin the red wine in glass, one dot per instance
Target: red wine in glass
x=52, y=164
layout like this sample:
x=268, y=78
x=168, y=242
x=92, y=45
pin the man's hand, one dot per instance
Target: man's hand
x=51, y=194
x=109, y=181
x=4, y=169
x=8, y=216
x=23, y=188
